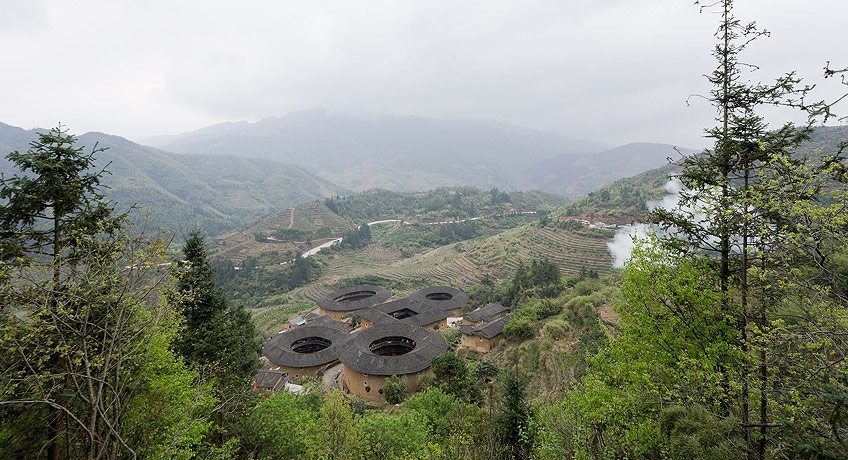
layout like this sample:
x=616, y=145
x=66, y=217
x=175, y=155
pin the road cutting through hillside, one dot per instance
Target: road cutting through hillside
x=311, y=252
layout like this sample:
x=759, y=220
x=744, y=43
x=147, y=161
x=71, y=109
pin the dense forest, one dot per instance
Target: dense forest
x=723, y=337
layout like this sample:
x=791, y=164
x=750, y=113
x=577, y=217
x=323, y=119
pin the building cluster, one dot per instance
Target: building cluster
x=359, y=337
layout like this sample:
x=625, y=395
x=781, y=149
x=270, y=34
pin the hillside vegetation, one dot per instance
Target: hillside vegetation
x=413, y=153
x=175, y=192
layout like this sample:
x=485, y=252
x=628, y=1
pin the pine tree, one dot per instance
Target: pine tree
x=736, y=208
x=215, y=335
x=80, y=317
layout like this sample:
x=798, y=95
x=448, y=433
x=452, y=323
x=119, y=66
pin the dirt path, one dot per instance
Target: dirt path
x=291, y=218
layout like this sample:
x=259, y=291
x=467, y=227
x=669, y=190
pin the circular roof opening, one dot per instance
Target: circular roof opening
x=439, y=296
x=354, y=296
x=308, y=345
x=392, y=346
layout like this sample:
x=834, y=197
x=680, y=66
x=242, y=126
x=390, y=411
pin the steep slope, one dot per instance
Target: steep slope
x=624, y=200
x=174, y=191
x=399, y=153
x=318, y=221
x=575, y=175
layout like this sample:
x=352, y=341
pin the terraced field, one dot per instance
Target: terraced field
x=310, y=217
x=497, y=256
x=458, y=265
x=314, y=216
x=573, y=252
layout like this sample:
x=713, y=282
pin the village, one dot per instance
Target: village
x=359, y=336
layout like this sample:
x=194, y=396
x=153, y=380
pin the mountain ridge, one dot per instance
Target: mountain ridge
x=215, y=192
x=407, y=153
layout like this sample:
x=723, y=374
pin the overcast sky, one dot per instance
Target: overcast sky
x=610, y=70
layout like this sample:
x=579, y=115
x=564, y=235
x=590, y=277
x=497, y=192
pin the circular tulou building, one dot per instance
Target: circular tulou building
x=394, y=349
x=343, y=301
x=446, y=298
x=305, y=350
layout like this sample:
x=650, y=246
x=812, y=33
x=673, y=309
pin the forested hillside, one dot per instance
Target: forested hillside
x=175, y=192
x=412, y=154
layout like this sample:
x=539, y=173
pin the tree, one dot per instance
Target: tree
x=393, y=436
x=217, y=339
x=747, y=203
x=513, y=420
x=215, y=335
x=336, y=435
x=732, y=318
x=55, y=200
x=452, y=376
x=437, y=407
x=83, y=341
x=394, y=390
x=280, y=426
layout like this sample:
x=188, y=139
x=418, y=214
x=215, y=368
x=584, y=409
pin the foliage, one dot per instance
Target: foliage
x=729, y=317
x=437, y=408
x=454, y=377
x=513, y=419
x=216, y=335
x=393, y=437
x=355, y=239
x=623, y=199
x=84, y=343
x=280, y=426
x=394, y=390
x=250, y=282
x=542, y=279
x=54, y=202
x=168, y=418
x=336, y=434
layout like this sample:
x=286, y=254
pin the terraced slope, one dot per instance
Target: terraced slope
x=312, y=217
x=465, y=264
x=573, y=252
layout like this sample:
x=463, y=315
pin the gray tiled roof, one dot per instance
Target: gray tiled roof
x=488, y=330
x=356, y=353
x=425, y=313
x=270, y=379
x=486, y=313
x=374, y=316
x=324, y=320
x=279, y=351
x=444, y=297
x=334, y=301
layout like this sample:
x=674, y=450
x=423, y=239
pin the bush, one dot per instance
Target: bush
x=556, y=329
x=387, y=436
x=437, y=407
x=395, y=390
x=520, y=327
x=281, y=424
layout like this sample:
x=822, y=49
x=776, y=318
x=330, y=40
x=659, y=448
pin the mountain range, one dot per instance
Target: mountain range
x=414, y=153
x=223, y=176
x=172, y=191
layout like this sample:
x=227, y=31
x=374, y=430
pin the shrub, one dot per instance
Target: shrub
x=395, y=390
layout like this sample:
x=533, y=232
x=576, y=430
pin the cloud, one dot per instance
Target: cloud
x=621, y=246
x=616, y=71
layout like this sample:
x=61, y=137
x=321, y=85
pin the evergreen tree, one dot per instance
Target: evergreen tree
x=513, y=420
x=736, y=205
x=80, y=334
x=215, y=335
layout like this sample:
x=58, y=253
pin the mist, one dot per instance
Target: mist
x=625, y=239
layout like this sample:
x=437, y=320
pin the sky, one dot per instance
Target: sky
x=613, y=71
